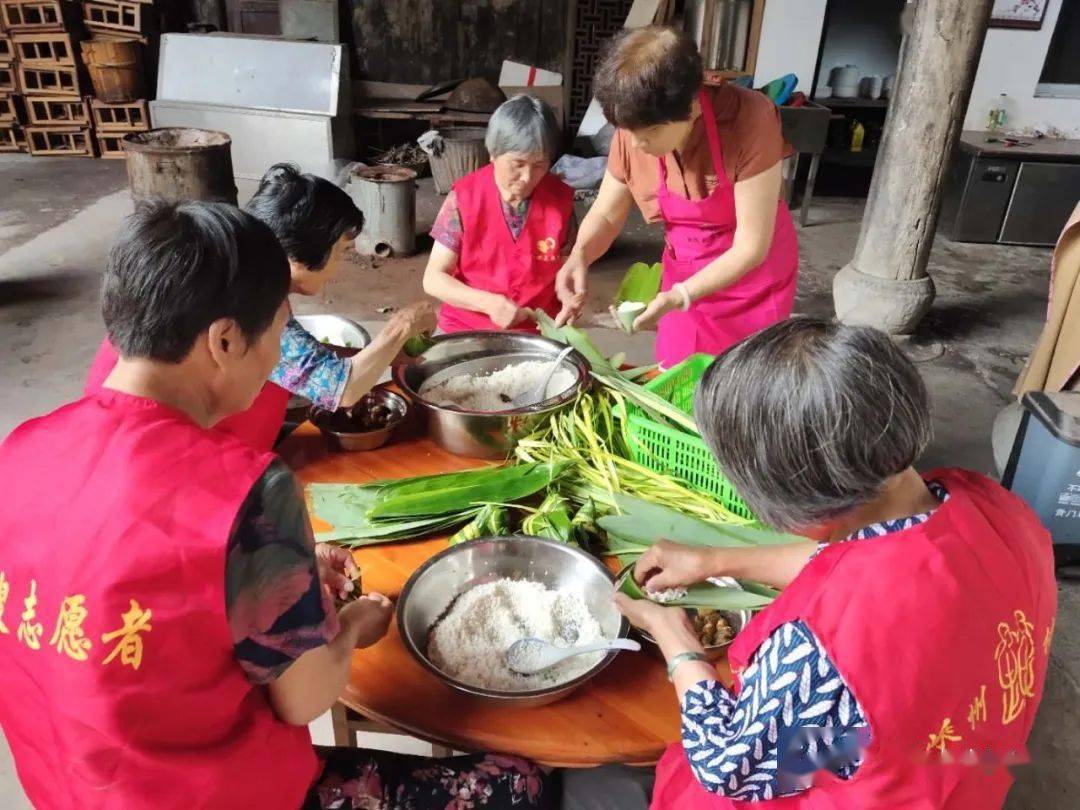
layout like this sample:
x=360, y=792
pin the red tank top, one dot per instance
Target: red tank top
x=118, y=683
x=942, y=631
x=492, y=260
x=258, y=426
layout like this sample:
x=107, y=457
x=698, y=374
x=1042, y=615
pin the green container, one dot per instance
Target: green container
x=671, y=451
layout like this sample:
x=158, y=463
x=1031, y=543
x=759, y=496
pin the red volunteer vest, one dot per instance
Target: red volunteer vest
x=522, y=269
x=118, y=683
x=942, y=631
x=257, y=427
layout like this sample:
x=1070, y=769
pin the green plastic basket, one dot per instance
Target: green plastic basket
x=671, y=451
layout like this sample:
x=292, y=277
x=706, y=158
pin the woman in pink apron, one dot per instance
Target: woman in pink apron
x=915, y=635
x=504, y=230
x=707, y=163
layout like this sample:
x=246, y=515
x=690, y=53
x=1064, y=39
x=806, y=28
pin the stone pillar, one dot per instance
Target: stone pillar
x=886, y=284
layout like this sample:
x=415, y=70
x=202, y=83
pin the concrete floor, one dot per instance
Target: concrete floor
x=58, y=217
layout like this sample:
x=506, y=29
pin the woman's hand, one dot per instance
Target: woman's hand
x=660, y=306
x=674, y=565
x=414, y=320
x=337, y=569
x=368, y=618
x=572, y=287
x=504, y=313
x=655, y=619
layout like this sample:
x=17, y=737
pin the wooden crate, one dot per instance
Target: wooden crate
x=51, y=49
x=8, y=113
x=124, y=16
x=54, y=81
x=7, y=50
x=45, y=111
x=109, y=145
x=70, y=141
x=10, y=139
x=33, y=15
x=9, y=79
x=132, y=117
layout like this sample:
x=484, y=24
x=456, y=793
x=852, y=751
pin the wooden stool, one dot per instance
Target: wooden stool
x=348, y=723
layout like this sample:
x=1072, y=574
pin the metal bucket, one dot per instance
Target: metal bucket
x=116, y=70
x=178, y=163
x=387, y=197
x=463, y=152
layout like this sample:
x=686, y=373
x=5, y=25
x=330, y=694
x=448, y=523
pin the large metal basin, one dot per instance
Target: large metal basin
x=434, y=586
x=474, y=433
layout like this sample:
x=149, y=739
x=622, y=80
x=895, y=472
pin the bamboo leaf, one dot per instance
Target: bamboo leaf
x=704, y=596
x=641, y=283
x=443, y=497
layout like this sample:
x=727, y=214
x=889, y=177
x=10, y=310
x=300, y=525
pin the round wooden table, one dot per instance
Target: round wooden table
x=628, y=713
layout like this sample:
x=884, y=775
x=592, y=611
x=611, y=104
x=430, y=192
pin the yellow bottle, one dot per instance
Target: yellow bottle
x=858, y=132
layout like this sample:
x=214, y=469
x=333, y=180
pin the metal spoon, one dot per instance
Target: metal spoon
x=531, y=655
x=539, y=394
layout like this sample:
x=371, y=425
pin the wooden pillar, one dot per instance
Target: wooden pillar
x=886, y=284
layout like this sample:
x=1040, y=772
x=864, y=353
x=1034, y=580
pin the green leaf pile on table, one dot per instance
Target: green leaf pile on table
x=571, y=480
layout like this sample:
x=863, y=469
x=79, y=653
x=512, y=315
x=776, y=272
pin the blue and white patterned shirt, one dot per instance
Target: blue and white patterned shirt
x=309, y=368
x=733, y=741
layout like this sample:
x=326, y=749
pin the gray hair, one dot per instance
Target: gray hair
x=809, y=418
x=522, y=124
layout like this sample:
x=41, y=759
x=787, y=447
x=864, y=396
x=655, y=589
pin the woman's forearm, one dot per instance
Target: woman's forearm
x=598, y=231
x=457, y=293
x=367, y=367
x=604, y=221
x=775, y=566
x=313, y=683
x=722, y=272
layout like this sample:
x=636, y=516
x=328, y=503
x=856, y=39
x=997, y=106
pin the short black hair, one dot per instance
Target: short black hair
x=179, y=266
x=307, y=213
x=648, y=76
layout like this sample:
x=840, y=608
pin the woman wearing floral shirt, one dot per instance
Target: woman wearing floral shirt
x=316, y=223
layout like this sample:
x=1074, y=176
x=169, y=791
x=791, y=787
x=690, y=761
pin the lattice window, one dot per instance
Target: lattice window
x=595, y=23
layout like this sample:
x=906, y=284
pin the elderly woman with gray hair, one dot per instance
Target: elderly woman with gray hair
x=912, y=632
x=504, y=230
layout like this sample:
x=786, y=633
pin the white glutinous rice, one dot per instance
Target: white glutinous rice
x=470, y=642
x=666, y=595
x=494, y=392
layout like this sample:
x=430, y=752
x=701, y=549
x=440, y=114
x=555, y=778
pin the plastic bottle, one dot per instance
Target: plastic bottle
x=1000, y=113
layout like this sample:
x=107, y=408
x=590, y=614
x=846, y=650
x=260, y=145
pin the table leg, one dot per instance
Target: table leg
x=808, y=193
x=339, y=717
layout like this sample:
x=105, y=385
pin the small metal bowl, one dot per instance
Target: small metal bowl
x=433, y=587
x=332, y=424
x=344, y=335
x=737, y=619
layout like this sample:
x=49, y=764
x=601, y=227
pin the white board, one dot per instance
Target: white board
x=249, y=71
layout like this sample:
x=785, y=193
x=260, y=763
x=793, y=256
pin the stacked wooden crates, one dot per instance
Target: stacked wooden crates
x=51, y=53
x=11, y=139
x=44, y=37
x=121, y=32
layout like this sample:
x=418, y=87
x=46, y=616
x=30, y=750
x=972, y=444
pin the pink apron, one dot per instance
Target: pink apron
x=696, y=234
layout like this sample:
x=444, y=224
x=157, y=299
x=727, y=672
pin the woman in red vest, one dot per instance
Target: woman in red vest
x=317, y=223
x=167, y=623
x=904, y=660
x=504, y=230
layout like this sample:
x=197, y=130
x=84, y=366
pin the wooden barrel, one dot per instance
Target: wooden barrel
x=180, y=164
x=116, y=70
x=387, y=197
x=463, y=152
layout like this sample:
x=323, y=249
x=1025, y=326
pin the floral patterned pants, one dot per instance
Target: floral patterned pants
x=356, y=779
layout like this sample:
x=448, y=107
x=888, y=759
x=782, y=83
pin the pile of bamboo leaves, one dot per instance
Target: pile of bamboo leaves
x=366, y=514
